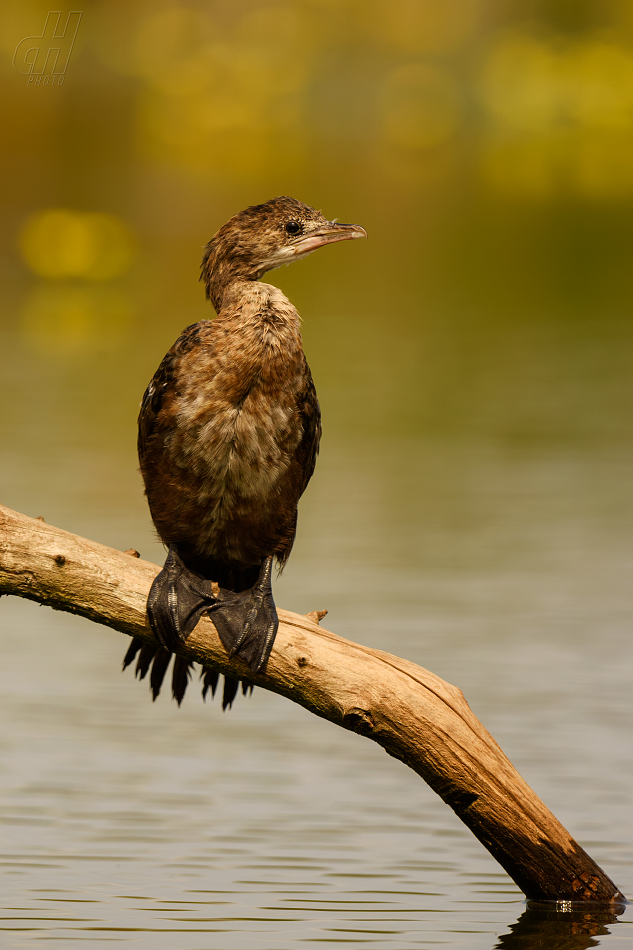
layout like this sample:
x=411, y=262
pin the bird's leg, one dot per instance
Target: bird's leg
x=247, y=622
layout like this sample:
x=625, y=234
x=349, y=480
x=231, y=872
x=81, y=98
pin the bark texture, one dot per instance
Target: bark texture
x=416, y=716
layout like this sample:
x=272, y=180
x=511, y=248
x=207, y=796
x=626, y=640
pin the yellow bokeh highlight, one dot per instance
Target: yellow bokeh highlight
x=58, y=243
x=560, y=116
x=223, y=99
x=66, y=320
x=597, y=80
x=529, y=83
x=520, y=84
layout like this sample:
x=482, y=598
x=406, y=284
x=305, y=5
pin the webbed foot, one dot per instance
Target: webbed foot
x=177, y=599
x=246, y=622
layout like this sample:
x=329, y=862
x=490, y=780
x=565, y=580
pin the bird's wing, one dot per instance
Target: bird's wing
x=302, y=466
x=311, y=421
x=160, y=383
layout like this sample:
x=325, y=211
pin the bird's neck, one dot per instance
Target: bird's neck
x=252, y=296
x=234, y=294
x=220, y=283
x=260, y=311
x=225, y=281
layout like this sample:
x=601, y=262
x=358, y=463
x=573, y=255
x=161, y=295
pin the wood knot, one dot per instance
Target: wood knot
x=460, y=800
x=59, y=559
x=360, y=721
x=302, y=661
x=132, y=552
x=40, y=518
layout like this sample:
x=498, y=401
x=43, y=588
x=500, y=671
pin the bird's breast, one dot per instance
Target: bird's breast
x=237, y=420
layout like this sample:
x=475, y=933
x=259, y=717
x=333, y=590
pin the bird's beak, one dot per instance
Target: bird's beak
x=328, y=234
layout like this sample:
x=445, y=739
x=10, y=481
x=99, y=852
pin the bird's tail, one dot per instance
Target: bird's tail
x=154, y=656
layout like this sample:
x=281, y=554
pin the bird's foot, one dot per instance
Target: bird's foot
x=247, y=622
x=177, y=599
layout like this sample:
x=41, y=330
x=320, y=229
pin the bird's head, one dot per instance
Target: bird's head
x=266, y=236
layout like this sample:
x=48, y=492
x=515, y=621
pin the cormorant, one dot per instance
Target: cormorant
x=229, y=431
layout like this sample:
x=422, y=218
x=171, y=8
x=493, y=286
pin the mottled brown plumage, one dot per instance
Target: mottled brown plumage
x=229, y=424
x=228, y=436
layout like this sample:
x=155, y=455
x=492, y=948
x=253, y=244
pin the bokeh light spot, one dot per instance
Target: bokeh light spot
x=59, y=243
x=600, y=85
x=520, y=83
x=560, y=116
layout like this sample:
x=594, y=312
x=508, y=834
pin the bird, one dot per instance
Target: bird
x=229, y=431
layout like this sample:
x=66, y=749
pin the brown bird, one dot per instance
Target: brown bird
x=229, y=431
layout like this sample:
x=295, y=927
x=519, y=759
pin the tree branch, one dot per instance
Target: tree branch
x=413, y=714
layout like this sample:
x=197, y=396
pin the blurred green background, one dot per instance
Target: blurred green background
x=486, y=145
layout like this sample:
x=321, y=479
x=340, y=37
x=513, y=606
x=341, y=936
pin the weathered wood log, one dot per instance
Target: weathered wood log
x=413, y=714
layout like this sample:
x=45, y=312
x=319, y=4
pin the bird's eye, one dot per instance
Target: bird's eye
x=293, y=227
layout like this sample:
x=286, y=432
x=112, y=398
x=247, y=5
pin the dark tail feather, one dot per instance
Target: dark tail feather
x=158, y=658
x=180, y=678
x=210, y=682
x=159, y=668
x=230, y=691
x=133, y=649
x=147, y=654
